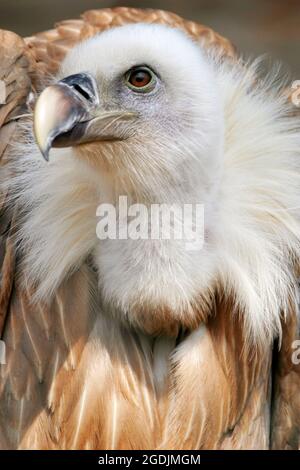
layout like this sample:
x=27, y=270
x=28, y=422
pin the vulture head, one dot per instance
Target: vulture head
x=141, y=102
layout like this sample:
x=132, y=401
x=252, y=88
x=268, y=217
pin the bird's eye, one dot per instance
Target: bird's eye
x=140, y=79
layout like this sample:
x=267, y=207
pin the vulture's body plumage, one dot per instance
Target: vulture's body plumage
x=113, y=345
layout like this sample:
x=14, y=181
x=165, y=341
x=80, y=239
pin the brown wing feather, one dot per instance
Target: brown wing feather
x=50, y=47
x=90, y=383
x=44, y=344
x=221, y=389
x=16, y=65
x=286, y=388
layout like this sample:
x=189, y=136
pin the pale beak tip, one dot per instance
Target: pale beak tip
x=44, y=148
x=45, y=154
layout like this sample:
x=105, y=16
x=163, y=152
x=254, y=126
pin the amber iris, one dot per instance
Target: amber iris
x=139, y=78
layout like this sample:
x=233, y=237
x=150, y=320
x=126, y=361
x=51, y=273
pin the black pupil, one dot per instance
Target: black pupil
x=140, y=77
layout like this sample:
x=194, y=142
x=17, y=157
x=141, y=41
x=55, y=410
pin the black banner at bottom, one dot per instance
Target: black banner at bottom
x=132, y=459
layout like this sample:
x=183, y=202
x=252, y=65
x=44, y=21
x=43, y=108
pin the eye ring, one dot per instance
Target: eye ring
x=140, y=79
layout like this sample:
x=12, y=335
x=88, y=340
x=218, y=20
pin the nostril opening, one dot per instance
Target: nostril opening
x=83, y=85
x=82, y=92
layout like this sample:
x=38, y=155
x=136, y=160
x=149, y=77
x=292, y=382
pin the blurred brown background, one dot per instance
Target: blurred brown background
x=254, y=26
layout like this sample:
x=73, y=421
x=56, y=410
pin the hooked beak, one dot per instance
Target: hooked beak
x=68, y=114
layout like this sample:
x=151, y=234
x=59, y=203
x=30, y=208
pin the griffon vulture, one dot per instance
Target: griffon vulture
x=144, y=344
